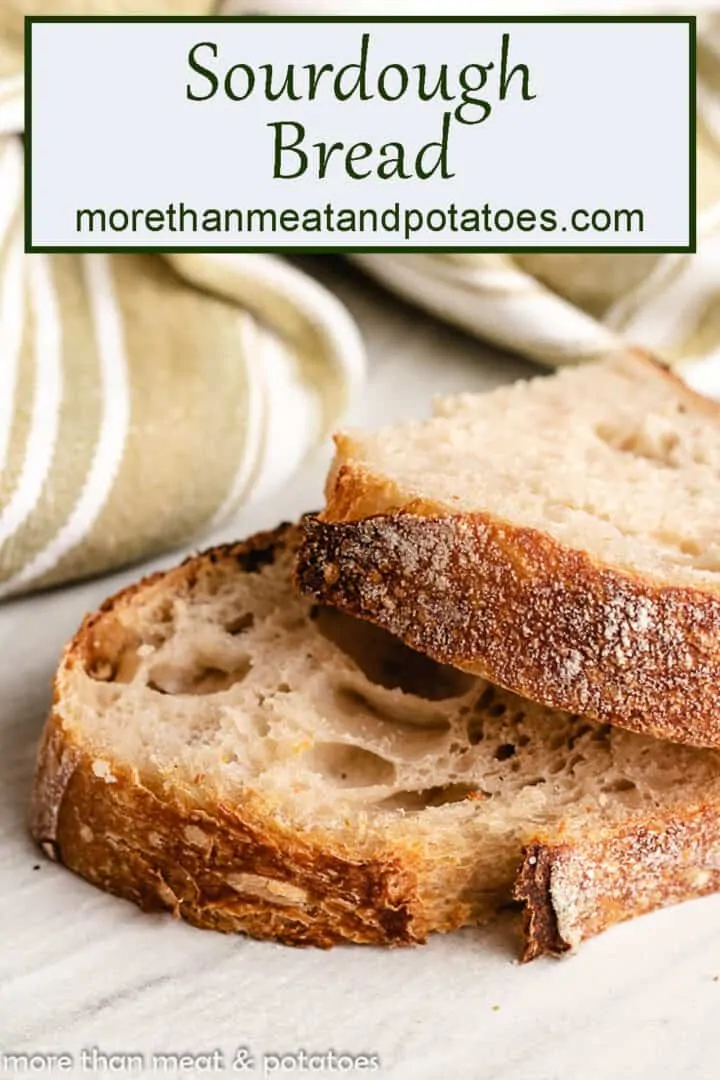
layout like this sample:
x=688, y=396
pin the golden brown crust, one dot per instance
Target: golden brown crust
x=572, y=891
x=209, y=865
x=517, y=607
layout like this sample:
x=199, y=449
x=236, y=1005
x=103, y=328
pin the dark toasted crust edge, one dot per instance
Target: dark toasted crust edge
x=574, y=890
x=165, y=850
x=518, y=608
x=532, y=889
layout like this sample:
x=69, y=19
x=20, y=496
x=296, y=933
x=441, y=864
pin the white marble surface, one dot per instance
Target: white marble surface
x=79, y=969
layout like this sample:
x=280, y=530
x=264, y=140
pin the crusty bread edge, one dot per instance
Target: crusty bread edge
x=574, y=890
x=517, y=607
x=168, y=854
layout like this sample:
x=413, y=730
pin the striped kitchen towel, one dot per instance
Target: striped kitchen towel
x=143, y=399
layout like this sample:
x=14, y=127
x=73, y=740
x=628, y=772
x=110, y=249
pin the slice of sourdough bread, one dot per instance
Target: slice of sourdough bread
x=220, y=748
x=560, y=537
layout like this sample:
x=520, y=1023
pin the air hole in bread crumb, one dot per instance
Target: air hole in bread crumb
x=101, y=670
x=261, y=723
x=505, y=751
x=578, y=733
x=386, y=661
x=398, y=714
x=240, y=623
x=348, y=766
x=169, y=679
x=120, y=668
x=475, y=730
x=254, y=559
x=415, y=801
x=111, y=652
x=614, y=787
x=486, y=699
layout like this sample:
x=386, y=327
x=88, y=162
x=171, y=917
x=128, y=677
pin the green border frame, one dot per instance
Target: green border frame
x=689, y=20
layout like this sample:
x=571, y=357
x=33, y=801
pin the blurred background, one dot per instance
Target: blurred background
x=148, y=402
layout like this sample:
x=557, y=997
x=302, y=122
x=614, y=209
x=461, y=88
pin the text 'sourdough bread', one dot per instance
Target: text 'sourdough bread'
x=560, y=537
x=221, y=748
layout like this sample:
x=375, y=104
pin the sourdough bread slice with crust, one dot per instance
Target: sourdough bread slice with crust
x=560, y=537
x=222, y=749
